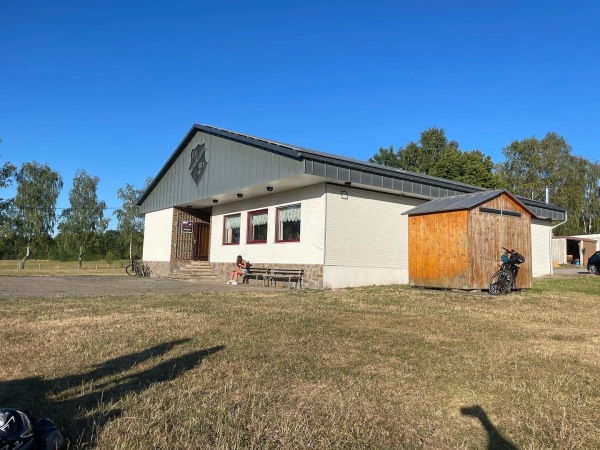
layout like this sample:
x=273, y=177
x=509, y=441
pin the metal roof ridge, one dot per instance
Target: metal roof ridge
x=256, y=138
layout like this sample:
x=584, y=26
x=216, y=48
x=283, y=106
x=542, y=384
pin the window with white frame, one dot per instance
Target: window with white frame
x=231, y=231
x=288, y=223
x=257, y=226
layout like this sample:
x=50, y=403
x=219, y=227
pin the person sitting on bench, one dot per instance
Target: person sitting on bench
x=240, y=269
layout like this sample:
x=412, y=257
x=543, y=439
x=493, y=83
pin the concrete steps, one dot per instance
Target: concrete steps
x=195, y=270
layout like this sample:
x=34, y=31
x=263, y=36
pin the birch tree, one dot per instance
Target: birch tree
x=130, y=220
x=38, y=188
x=83, y=223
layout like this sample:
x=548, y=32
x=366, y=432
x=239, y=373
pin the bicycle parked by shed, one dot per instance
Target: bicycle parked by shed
x=504, y=279
x=136, y=269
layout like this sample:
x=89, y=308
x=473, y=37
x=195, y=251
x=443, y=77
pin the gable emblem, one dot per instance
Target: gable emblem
x=198, y=162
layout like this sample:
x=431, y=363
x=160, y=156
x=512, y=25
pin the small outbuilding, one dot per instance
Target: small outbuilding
x=574, y=249
x=456, y=242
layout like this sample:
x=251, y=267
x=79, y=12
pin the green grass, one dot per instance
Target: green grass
x=381, y=367
x=35, y=267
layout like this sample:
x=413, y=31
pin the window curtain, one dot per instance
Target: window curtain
x=259, y=219
x=290, y=214
x=233, y=222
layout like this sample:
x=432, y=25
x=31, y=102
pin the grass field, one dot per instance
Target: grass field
x=381, y=367
x=58, y=268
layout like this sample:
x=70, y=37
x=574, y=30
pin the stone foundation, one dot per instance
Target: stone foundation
x=159, y=268
x=313, y=273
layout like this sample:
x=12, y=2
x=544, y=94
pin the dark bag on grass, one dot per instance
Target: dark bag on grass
x=47, y=435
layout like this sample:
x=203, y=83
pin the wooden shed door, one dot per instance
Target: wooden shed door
x=201, y=241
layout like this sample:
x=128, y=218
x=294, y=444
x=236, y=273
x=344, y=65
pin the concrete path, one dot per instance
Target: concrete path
x=582, y=270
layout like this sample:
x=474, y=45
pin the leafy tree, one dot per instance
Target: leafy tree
x=83, y=224
x=386, y=157
x=435, y=155
x=532, y=164
x=590, y=213
x=466, y=167
x=12, y=241
x=38, y=188
x=7, y=172
x=130, y=220
x=112, y=246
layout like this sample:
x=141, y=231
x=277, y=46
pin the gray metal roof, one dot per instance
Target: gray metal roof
x=460, y=202
x=342, y=169
x=323, y=157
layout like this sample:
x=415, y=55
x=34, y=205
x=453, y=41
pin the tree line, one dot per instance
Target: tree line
x=29, y=220
x=529, y=167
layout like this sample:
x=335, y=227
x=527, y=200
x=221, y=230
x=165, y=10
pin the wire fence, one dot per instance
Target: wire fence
x=37, y=267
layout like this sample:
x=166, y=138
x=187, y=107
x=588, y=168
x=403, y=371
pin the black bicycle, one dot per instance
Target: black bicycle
x=503, y=280
x=136, y=269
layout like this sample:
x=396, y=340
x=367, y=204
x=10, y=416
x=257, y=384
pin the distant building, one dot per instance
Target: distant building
x=574, y=249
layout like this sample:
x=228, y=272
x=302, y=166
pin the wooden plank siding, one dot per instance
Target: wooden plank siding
x=488, y=233
x=438, y=247
x=462, y=249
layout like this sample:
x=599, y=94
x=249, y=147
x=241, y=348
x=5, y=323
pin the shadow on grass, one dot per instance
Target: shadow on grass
x=75, y=402
x=495, y=440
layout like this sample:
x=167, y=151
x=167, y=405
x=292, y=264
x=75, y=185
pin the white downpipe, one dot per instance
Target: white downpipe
x=551, y=235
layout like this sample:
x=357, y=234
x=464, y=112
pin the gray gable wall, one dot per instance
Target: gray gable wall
x=231, y=167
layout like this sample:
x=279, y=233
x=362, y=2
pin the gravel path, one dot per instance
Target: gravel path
x=87, y=286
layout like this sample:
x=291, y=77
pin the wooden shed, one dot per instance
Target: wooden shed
x=456, y=242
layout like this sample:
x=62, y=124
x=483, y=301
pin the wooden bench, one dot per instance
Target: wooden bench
x=289, y=275
x=256, y=273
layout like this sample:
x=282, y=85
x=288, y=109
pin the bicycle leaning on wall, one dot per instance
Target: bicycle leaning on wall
x=136, y=269
x=504, y=279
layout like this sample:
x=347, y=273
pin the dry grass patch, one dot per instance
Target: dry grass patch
x=40, y=267
x=389, y=367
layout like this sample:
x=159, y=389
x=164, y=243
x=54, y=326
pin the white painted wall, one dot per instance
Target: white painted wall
x=157, y=235
x=559, y=250
x=310, y=248
x=366, y=237
x=344, y=276
x=541, y=247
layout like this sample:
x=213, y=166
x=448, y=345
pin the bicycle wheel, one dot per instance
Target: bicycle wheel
x=130, y=270
x=501, y=282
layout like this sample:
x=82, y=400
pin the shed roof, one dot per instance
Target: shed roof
x=460, y=202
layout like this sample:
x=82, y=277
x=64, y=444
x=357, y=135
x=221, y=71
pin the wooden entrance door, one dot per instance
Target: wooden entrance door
x=201, y=241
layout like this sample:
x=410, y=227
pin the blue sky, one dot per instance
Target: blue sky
x=113, y=86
